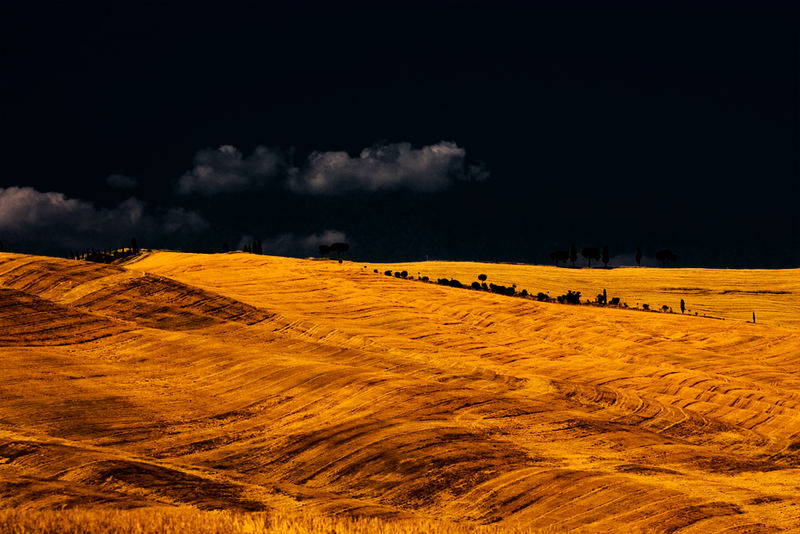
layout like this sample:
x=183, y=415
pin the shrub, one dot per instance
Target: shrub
x=523, y=293
x=646, y=307
x=476, y=286
x=614, y=301
x=374, y=270
x=570, y=297
x=403, y=274
x=502, y=290
x=542, y=297
x=484, y=286
x=425, y=279
x=387, y=273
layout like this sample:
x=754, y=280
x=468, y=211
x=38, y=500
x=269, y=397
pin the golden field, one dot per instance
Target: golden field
x=243, y=393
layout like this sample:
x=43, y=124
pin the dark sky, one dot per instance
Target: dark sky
x=452, y=130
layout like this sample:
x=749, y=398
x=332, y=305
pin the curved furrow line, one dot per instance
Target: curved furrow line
x=368, y=393
x=26, y=320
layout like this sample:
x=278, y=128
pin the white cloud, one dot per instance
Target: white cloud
x=226, y=170
x=54, y=221
x=121, y=181
x=385, y=167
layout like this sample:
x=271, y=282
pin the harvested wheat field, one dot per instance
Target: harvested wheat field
x=245, y=393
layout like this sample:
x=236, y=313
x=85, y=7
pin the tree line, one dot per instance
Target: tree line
x=598, y=254
x=106, y=255
x=570, y=297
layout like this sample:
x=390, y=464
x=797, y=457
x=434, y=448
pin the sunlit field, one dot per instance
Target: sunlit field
x=245, y=393
x=734, y=294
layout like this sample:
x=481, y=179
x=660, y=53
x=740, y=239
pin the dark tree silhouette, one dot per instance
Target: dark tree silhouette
x=559, y=255
x=573, y=254
x=605, y=255
x=482, y=277
x=570, y=297
x=666, y=256
x=602, y=298
x=638, y=256
x=339, y=249
x=502, y=290
x=476, y=286
x=134, y=246
x=683, y=306
x=591, y=253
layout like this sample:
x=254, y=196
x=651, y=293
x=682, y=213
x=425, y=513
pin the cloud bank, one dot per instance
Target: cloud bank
x=385, y=167
x=54, y=221
x=382, y=167
x=226, y=170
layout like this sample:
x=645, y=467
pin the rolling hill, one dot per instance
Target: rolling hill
x=253, y=384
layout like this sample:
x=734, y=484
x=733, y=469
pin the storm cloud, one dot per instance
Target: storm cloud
x=53, y=221
x=226, y=170
x=385, y=166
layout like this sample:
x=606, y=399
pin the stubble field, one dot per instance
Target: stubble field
x=255, y=392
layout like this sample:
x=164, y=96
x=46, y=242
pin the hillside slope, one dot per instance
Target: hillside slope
x=250, y=382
